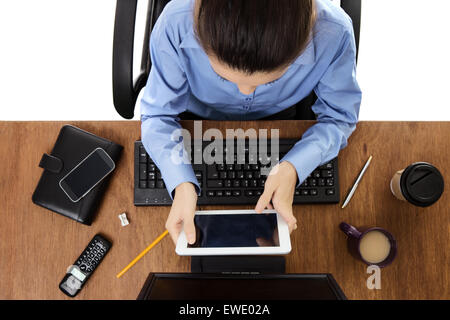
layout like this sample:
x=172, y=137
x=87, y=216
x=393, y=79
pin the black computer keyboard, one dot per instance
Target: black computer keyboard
x=239, y=184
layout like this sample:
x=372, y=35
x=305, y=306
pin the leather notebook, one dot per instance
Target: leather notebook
x=72, y=146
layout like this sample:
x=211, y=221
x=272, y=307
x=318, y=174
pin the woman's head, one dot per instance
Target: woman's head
x=253, y=40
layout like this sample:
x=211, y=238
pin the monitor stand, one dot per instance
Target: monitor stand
x=238, y=264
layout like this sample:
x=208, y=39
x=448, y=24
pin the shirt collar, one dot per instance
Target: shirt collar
x=307, y=57
x=190, y=41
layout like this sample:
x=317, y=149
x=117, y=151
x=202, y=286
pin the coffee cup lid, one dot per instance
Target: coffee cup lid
x=422, y=184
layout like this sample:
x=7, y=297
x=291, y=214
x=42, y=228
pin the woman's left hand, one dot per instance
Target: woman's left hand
x=279, y=188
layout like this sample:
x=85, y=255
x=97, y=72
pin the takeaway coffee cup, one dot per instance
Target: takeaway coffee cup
x=374, y=246
x=420, y=183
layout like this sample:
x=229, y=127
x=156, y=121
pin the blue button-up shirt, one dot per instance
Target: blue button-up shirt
x=182, y=79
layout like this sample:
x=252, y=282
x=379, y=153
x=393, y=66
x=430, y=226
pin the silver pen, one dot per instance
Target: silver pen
x=350, y=195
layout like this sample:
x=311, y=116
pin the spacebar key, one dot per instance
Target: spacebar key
x=215, y=183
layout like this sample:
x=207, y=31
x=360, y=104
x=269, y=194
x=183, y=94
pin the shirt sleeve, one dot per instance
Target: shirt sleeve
x=337, y=110
x=165, y=96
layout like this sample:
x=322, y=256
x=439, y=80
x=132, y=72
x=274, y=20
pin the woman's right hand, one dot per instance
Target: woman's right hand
x=182, y=212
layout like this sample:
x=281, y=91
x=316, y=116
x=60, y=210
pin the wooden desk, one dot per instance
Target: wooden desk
x=37, y=245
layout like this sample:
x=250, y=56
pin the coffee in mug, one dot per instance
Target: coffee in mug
x=374, y=246
x=420, y=183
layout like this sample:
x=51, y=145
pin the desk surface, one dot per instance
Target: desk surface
x=37, y=245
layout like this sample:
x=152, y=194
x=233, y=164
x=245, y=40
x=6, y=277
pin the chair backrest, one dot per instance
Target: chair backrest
x=125, y=88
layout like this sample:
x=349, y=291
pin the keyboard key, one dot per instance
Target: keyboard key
x=252, y=159
x=142, y=171
x=151, y=184
x=215, y=183
x=212, y=172
x=227, y=183
x=312, y=182
x=240, y=159
x=330, y=182
x=230, y=167
x=210, y=193
x=223, y=175
x=304, y=192
x=231, y=174
x=236, y=193
x=249, y=175
x=240, y=175
x=321, y=182
x=258, y=192
x=142, y=184
x=142, y=154
x=151, y=167
x=236, y=183
x=326, y=166
x=160, y=184
x=151, y=176
x=329, y=192
x=219, y=193
x=316, y=174
x=249, y=193
x=326, y=173
x=228, y=193
x=313, y=192
x=254, y=183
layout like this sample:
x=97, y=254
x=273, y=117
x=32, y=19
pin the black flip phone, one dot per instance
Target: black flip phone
x=78, y=274
x=87, y=174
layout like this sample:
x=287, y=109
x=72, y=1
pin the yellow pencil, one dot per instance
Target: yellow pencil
x=154, y=243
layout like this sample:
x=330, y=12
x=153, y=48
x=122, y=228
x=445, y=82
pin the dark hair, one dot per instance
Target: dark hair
x=254, y=35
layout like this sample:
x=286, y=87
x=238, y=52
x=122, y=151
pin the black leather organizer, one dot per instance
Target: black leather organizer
x=71, y=147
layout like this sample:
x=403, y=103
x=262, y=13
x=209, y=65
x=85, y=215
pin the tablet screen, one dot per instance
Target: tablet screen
x=236, y=230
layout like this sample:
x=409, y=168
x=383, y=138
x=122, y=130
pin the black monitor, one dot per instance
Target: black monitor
x=192, y=286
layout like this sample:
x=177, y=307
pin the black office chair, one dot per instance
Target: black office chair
x=125, y=89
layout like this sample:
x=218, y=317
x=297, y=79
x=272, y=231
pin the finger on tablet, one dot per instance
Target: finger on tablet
x=264, y=201
x=189, y=230
x=288, y=216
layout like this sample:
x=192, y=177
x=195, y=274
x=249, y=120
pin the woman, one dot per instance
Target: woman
x=247, y=60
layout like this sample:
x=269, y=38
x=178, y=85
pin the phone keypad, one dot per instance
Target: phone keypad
x=92, y=255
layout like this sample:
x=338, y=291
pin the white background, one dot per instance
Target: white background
x=56, y=57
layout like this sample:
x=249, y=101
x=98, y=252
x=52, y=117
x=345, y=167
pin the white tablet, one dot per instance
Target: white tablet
x=237, y=232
